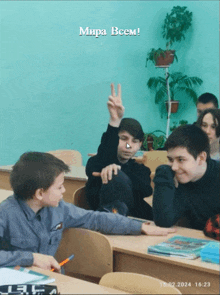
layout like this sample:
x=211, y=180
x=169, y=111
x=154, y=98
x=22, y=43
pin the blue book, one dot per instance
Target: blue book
x=211, y=252
x=179, y=246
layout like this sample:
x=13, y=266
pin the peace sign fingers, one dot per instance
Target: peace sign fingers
x=115, y=107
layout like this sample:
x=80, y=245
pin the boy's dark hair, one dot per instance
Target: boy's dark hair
x=35, y=170
x=208, y=97
x=216, y=118
x=133, y=127
x=191, y=137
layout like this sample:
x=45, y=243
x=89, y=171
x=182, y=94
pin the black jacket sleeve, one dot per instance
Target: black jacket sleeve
x=168, y=201
x=107, y=152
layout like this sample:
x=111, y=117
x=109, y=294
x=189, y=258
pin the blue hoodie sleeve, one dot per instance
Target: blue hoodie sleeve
x=106, y=223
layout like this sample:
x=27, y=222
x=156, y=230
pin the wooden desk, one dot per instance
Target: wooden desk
x=75, y=179
x=70, y=285
x=130, y=255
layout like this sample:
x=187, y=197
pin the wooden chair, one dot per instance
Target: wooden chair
x=79, y=198
x=93, y=254
x=70, y=157
x=137, y=284
x=153, y=159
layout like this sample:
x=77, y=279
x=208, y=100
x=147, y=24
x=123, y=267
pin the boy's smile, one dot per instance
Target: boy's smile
x=185, y=166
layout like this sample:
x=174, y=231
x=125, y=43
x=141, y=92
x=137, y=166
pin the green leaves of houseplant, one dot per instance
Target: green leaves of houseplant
x=178, y=83
x=154, y=54
x=174, y=29
x=176, y=24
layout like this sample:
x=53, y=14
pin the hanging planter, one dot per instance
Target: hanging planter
x=161, y=58
x=165, y=59
x=174, y=106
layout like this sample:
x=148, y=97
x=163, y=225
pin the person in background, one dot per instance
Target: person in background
x=188, y=187
x=209, y=121
x=33, y=219
x=116, y=182
x=206, y=101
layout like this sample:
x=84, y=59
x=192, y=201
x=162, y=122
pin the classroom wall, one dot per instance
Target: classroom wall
x=55, y=83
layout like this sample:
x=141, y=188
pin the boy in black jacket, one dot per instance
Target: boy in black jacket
x=189, y=186
x=116, y=182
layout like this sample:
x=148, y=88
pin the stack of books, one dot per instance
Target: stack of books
x=179, y=246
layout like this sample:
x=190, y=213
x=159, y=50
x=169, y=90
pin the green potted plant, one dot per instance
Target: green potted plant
x=178, y=83
x=153, y=140
x=161, y=57
x=174, y=28
x=176, y=24
x=175, y=124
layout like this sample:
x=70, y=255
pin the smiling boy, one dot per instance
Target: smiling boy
x=189, y=186
x=116, y=182
x=33, y=219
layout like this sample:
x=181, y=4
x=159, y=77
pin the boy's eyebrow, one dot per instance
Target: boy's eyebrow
x=178, y=157
x=122, y=135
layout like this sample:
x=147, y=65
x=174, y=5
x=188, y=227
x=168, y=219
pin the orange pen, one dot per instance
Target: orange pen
x=64, y=261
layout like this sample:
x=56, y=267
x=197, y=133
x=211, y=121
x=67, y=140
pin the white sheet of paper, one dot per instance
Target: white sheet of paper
x=11, y=276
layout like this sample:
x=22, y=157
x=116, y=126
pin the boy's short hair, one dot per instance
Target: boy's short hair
x=133, y=127
x=216, y=117
x=207, y=98
x=191, y=137
x=35, y=170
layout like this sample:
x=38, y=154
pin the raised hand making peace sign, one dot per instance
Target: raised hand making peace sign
x=115, y=106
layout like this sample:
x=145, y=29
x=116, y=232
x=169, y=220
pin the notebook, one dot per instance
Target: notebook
x=179, y=246
x=11, y=276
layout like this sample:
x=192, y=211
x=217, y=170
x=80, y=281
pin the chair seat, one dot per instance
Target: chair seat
x=137, y=284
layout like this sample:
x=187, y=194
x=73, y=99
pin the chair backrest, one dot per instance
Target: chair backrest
x=92, y=250
x=4, y=194
x=70, y=157
x=79, y=198
x=153, y=159
x=137, y=284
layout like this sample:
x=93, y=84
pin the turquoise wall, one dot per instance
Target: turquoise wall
x=55, y=83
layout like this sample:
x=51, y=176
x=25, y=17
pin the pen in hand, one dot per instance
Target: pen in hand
x=64, y=261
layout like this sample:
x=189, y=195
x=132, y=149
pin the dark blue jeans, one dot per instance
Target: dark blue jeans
x=117, y=196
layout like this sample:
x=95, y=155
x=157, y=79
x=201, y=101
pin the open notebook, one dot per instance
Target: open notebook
x=10, y=276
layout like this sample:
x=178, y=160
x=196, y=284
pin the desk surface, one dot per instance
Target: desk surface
x=138, y=245
x=130, y=255
x=70, y=285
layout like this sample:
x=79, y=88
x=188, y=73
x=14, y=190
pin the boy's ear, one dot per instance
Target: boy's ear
x=39, y=194
x=202, y=158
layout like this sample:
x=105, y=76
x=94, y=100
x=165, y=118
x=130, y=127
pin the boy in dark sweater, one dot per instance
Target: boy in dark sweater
x=116, y=182
x=189, y=186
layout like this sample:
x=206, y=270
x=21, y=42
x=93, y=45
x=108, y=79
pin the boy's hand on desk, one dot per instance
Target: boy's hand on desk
x=153, y=230
x=45, y=262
